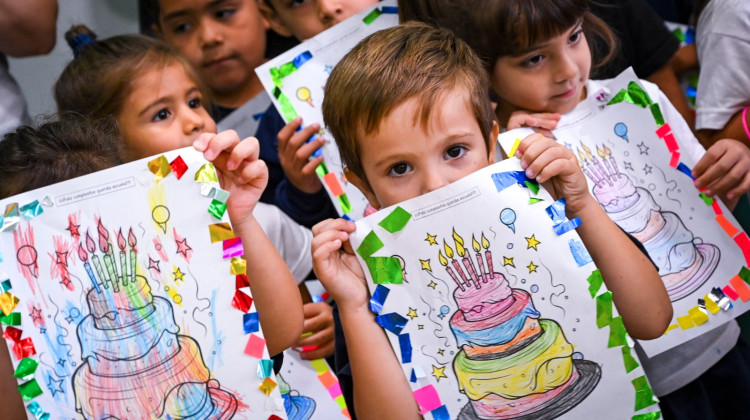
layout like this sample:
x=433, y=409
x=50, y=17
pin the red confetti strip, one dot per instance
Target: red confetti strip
x=12, y=333
x=728, y=227
x=333, y=184
x=717, y=208
x=241, y=281
x=744, y=243
x=671, y=142
x=731, y=294
x=24, y=348
x=179, y=167
x=663, y=130
x=242, y=301
x=675, y=161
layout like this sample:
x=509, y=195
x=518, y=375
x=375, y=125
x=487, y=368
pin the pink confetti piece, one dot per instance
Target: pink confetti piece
x=427, y=398
x=671, y=142
x=255, y=346
x=675, y=161
x=335, y=390
x=233, y=247
x=663, y=130
x=730, y=292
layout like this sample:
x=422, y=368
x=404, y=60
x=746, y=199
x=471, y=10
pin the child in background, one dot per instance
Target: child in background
x=157, y=102
x=539, y=66
x=410, y=111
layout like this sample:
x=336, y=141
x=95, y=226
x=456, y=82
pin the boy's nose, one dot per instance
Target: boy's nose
x=330, y=11
x=432, y=180
x=209, y=34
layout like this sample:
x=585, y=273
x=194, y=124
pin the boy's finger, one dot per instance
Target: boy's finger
x=299, y=138
x=255, y=170
x=202, y=141
x=318, y=338
x=712, y=155
x=288, y=130
x=743, y=188
x=715, y=172
x=334, y=224
x=221, y=142
x=727, y=181
x=306, y=150
x=310, y=166
x=246, y=150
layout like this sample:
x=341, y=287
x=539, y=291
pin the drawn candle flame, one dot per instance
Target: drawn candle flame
x=475, y=244
x=82, y=253
x=588, y=151
x=607, y=152
x=581, y=155
x=442, y=259
x=459, y=241
x=485, y=242
x=90, y=243
x=131, y=239
x=600, y=152
x=121, y=241
x=448, y=250
x=103, y=238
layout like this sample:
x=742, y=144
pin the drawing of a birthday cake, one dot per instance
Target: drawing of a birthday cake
x=684, y=261
x=136, y=365
x=511, y=363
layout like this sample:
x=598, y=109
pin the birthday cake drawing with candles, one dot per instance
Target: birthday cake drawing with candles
x=511, y=362
x=684, y=261
x=136, y=365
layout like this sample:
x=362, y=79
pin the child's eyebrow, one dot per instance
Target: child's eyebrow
x=187, y=11
x=160, y=101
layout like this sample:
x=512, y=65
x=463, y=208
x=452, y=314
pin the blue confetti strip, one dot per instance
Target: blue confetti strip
x=562, y=228
x=504, y=180
x=345, y=217
x=378, y=298
x=684, y=169
x=5, y=286
x=36, y=410
x=301, y=59
x=579, y=252
x=265, y=368
x=440, y=413
x=556, y=211
x=250, y=322
x=32, y=210
x=392, y=322
x=405, y=343
x=391, y=10
x=413, y=377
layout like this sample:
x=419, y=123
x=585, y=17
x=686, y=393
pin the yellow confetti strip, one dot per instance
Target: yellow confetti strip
x=239, y=266
x=670, y=328
x=319, y=365
x=513, y=149
x=685, y=322
x=8, y=302
x=207, y=173
x=267, y=386
x=220, y=232
x=698, y=316
x=711, y=305
x=160, y=167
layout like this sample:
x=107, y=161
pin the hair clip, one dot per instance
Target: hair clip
x=79, y=42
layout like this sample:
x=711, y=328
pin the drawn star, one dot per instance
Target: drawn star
x=441, y=315
x=412, y=313
x=61, y=362
x=183, y=247
x=69, y=319
x=66, y=282
x=643, y=149
x=647, y=169
x=628, y=165
x=42, y=330
x=62, y=258
x=431, y=239
x=35, y=314
x=178, y=275
x=508, y=261
x=441, y=352
x=328, y=68
x=426, y=265
x=420, y=326
x=568, y=146
x=153, y=264
x=438, y=372
x=55, y=385
x=73, y=229
x=432, y=284
x=532, y=267
x=532, y=242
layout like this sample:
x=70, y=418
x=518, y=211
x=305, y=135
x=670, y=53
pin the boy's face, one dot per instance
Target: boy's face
x=304, y=19
x=402, y=160
x=163, y=112
x=223, y=39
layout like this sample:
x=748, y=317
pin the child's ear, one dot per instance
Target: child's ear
x=493, y=145
x=363, y=186
x=272, y=19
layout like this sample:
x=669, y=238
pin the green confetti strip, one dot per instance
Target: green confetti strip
x=322, y=170
x=217, y=209
x=604, y=309
x=745, y=274
x=648, y=416
x=372, y=16
x=634, y=94
x=30, y=390
x=656, y=112
x=385, y=270
x=644, y=396
x=627, y=357
x=287, y=109
x=595, y=282
x=533, y=200
x=346, y=206
x=13, y=319
x=370, y=245
x=706, y=199
x=26, y=368
x=617, y=334
x=532, y=186
x=395, y=221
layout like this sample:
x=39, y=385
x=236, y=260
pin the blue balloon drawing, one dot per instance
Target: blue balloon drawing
x=508, y=217
x=622, y=131
x=444, y=310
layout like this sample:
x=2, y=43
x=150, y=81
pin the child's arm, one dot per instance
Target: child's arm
x=637, y=289
x=724, y=170
x=381, y=390
x=245, y=176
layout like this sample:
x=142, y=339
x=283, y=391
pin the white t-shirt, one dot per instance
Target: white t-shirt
x=723, y=44
x=242, y=120
x=12, y=104
x=288, y=237
x=675, y=368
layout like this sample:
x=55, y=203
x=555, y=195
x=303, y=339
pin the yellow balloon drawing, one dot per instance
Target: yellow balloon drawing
x=303, y=94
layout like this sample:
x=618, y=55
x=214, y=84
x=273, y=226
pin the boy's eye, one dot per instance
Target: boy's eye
x=533, y=60
x=161, y=115
x=295, y=3
x=181, y=28
x=399, y=169
x=224, y=13
x=194, y=103
x=455, y=152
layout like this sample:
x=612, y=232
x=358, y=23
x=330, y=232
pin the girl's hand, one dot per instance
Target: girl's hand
x=240, y=171
x=724, y=170
x=318, y=322
x=338, y=269
x=295, y=153
x=543, y=122
x=551, y=164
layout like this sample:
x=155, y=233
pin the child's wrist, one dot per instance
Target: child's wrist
x=580, y=206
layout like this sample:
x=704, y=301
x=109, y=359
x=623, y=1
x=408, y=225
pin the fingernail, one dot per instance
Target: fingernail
x=708, y=193
x=730, y=196
x=698, y=184
x=524, y=165
x=231, y=165
x=209, y=154
x=529, y=173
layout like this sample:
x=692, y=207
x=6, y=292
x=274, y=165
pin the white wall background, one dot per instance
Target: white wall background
x=37, y=75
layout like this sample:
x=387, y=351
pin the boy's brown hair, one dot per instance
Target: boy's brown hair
x=392, y=66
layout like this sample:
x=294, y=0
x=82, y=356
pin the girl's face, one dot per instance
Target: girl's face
x=551, y=77
x=163, y=112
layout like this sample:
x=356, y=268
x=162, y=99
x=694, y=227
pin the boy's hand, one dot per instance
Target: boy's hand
x=544, y=122
x=724, y=169
x=338, y=269
x=556, y=167
x=294, y=155
x=319, y=322
x=240, y=171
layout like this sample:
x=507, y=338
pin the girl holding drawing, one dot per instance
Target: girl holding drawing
x=157, y=101
x=539, y=69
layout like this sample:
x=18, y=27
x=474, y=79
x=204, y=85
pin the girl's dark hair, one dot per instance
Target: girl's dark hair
x=499, y=28
x=97, y=81
x=32, y=158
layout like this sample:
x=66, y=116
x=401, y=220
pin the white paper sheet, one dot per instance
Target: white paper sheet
x=310, y=389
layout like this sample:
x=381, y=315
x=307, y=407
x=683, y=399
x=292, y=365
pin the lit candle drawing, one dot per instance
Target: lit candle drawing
x=468, y=264
x=449, y=254
x=597, y=165
x=488, y=256
x=108, y=263
x=600, y=152
x=584, y=169
x=85, y=258
x=95, y=258
x=123, y=266
x=481, y=273
x=133, y=250
x=612, y=159
x=444, y=263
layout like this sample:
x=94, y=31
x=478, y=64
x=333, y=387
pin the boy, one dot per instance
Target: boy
x=410, y=111
x=305, y=20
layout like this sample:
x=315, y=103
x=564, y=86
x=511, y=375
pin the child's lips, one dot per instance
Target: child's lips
x=567, y=94
x=218, y=61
